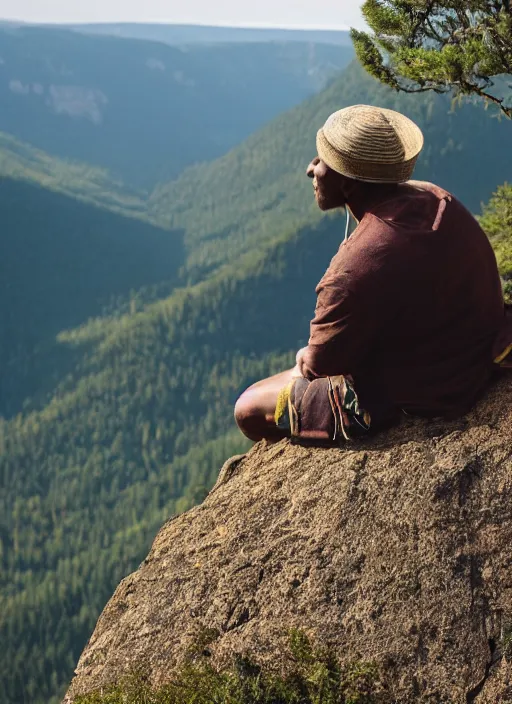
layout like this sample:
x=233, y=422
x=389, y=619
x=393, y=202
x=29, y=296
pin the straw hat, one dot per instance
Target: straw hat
x=370, y=144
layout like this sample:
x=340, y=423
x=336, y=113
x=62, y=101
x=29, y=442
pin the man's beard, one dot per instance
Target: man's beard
x=326, y=202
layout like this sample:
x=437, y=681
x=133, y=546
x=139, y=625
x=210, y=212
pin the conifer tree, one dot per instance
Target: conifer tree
x=464, y=46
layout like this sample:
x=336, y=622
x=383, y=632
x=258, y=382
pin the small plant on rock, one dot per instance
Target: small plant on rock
x=313, y=675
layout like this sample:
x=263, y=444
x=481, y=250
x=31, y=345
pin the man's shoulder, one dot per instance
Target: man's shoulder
x=416, y=207
x=372, y=231
x=427, y=187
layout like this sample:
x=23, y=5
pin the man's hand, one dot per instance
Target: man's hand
x=299, y=363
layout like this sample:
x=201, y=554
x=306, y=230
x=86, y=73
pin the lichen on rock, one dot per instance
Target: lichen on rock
x=396, y=552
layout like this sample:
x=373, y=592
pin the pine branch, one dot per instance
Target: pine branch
x=434, y=33
x=500, y=102
x=460, y=44
x=422, y=17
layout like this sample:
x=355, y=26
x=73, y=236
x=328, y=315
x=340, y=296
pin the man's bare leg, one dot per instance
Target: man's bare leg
x=255, y=409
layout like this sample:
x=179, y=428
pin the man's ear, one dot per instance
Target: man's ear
x=346, y=186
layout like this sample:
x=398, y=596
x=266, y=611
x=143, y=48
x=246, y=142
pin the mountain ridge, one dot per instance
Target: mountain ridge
x=176, y=34
x=84, y=182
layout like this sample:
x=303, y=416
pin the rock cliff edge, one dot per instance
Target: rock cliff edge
x=398, y=551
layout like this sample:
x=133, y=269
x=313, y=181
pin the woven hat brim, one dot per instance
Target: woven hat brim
x=367, y=171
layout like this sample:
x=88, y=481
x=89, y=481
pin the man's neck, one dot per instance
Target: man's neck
x=366, y=196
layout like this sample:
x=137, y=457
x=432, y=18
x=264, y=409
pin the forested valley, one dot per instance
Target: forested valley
x=137, y=306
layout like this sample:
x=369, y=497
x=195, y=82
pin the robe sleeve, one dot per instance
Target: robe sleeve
x=356, y=298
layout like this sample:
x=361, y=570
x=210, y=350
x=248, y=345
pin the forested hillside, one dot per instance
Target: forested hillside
x=62, y=263
x=140, y=321
x=85, y=182
x=129, y=438
x=143, y=109
x=259, y=189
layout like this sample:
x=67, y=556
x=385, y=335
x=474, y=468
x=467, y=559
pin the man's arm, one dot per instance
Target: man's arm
x=355, y=302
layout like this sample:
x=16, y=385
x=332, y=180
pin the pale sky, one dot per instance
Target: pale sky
x=328, y=14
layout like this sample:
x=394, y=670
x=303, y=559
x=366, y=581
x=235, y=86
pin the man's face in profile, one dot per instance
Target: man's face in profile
x=327, y=184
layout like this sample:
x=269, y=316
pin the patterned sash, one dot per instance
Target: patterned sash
x=325, y=410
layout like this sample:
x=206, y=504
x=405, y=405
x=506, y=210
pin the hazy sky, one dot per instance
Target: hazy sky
x=277, y=13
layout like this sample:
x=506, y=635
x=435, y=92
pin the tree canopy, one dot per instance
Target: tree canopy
x=463, y=46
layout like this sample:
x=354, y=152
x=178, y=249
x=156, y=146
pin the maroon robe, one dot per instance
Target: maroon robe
x=411, y=306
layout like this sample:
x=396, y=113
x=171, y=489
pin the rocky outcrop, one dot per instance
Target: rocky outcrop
x=398, y=551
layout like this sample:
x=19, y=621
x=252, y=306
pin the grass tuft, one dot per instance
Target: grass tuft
x=313, y=676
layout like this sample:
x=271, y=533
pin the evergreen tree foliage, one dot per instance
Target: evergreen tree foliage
x=497, y=222
x=440, y=45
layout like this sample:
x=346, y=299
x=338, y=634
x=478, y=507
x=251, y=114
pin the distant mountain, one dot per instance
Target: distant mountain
x=145, y=110
x=178, y=34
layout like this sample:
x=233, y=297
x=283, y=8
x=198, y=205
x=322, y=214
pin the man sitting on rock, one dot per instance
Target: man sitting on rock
x=410, y=314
